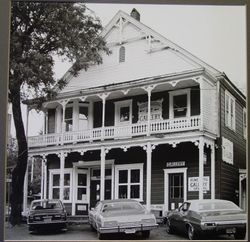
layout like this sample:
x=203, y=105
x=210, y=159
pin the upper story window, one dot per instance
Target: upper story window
x=83, y=116
x=179, y=103
x=68, y=119
x=155, y=111
x=122, y=54
x=229, y=110
x=244, y=123
x=123, y=112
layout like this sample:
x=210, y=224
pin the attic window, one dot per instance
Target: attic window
x=122, y=54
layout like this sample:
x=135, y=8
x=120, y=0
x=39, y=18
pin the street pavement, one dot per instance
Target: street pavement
x=84, y=232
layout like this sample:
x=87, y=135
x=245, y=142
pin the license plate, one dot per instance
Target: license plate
x=47, y=220
x=230, y=231
x=129, y=231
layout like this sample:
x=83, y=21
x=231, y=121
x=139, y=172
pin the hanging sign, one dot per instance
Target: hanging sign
x=193, y=184
x=227, y=151
x=175, y=164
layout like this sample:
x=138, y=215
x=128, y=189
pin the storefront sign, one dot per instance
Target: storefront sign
x=175, y=164
x=81, y=207
x=227, y=151
x=193, y=184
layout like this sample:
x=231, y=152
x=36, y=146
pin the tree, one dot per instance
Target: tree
x=38, y=32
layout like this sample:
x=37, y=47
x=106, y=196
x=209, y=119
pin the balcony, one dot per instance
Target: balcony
x=116, y=132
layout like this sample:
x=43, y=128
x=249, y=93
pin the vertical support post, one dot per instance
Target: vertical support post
x=45, y=177
x=42, y=179
x=201, y=167
x=201, y=104
x=102, y=183
x=32, y=170
x=149, y=110
x=149, y=167
x=62, y=156
x=46, y=122
x=212, y=172
x=103, y=114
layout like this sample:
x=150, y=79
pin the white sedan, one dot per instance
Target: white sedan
x=121, y=216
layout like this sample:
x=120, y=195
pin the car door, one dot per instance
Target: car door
x=181, y=216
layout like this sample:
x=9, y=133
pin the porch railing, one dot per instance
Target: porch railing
x=117, y=132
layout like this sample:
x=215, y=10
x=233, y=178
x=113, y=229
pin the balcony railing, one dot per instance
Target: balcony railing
x=117, y=132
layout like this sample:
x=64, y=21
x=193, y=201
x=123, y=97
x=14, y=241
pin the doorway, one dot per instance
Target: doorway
x=175, y=187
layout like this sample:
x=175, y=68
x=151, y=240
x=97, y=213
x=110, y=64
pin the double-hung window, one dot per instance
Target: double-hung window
x=229, y=110
x=69, y=118
x=55, y=184
x=179, y=103
x=129, y=181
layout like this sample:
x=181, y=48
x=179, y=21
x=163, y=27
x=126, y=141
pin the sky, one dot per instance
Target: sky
x=215, y=34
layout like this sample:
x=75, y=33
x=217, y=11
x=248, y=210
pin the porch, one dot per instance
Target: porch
x=118, y=132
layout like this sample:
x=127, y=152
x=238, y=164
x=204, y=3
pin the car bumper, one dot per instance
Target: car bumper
x=224, y=228
x=46, y=223
x=128, y=230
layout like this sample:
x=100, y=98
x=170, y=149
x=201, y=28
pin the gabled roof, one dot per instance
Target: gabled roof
x=158, y=36
x=179, y=60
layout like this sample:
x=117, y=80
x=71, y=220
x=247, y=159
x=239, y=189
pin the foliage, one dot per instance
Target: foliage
x=38, y=32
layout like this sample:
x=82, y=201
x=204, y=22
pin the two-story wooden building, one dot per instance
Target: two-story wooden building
x=151, y=123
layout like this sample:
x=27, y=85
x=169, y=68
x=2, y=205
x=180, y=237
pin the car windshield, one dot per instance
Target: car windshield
x=217, y=206
x=46, y=205
x=117, y=207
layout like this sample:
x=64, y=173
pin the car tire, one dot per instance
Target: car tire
x=192, y=234
x=169, y=228
x=100, y=236
x=240, y=235
x=146, y=234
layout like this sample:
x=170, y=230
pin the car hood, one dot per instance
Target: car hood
x=223, y=215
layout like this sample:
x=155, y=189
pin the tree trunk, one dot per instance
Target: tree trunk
x=18, y=174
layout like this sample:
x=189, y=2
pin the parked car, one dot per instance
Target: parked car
x=200, y=217
x=121, y=216
x=47, y=213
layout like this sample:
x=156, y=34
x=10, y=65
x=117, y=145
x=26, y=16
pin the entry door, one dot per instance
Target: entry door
x=95, y=188
x=176, y=190
x=82, y=186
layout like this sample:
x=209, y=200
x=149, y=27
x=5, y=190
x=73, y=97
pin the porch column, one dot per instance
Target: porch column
x=212, y=172
x=62, y=156
x=103, y=97
x=149, y=110
x=32, y=170
x=201, y=167
x=45, y=177
x=46, y=122
x=42, y=179
x=149, y=166
x=102, y=183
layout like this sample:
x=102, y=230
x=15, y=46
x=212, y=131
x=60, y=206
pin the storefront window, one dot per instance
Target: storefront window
x=129, y=181
x=55, y=185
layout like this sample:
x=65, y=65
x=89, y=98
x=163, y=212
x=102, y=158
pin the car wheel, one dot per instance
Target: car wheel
x=191, y=232
x=240, y=234
x=100, y=236
x=146, y=234
x=169, y=228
